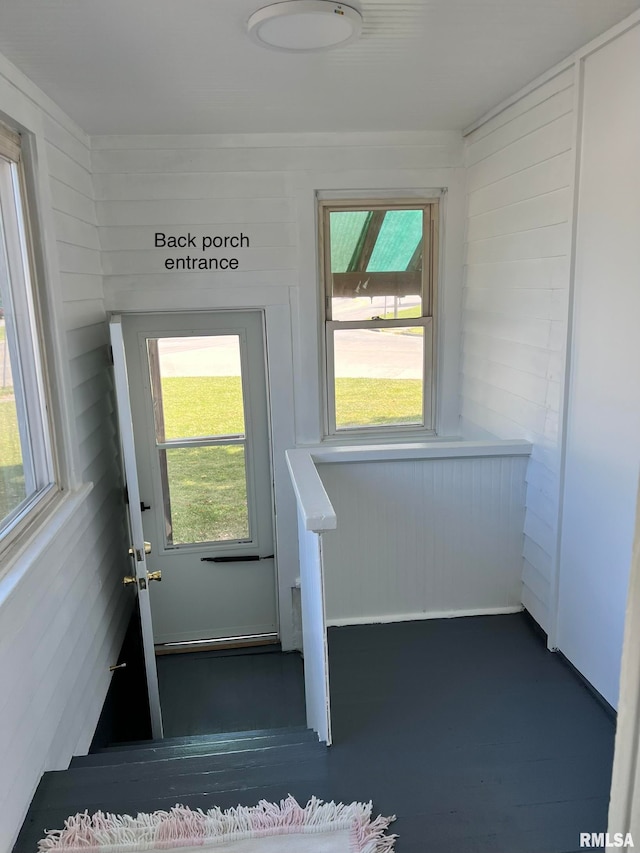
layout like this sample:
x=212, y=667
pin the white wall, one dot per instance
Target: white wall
x=264, y=185
x=603, y=424
x=62, y=608
x=423, y=538
x=519, y=202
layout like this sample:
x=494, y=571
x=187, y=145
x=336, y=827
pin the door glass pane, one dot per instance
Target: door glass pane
x=379, y=376
x=207, y=490
x=197, y=396
x=197, y=386
x=376, y=264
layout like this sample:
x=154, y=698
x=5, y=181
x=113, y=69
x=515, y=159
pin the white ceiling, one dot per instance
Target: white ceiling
x=187, y=66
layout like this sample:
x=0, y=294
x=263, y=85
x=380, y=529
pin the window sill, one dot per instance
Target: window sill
x=396, y=438
x=20, y=554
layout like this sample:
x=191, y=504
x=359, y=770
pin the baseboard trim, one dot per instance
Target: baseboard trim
x=414, y=617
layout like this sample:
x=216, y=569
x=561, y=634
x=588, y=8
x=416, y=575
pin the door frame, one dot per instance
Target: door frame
x=279, y=371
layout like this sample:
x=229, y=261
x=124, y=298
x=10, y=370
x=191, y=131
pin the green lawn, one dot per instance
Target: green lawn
x=404, y=314
x=12, y=491
x=212, y=405
x=208, y=495
x=375, y=402
x=207, y=484
x=202, y=405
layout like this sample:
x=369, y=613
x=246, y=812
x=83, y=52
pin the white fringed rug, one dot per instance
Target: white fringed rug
x=286, y=827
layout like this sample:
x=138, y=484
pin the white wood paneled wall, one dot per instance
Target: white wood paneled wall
x=423, y=538
x=263, y=185
x=603, y=424
x=223, y=184
x=519, y=185
x=63, y=611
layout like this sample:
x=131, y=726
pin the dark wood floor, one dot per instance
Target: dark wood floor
x=231, y=691
x=471, y=732
x=476, y=737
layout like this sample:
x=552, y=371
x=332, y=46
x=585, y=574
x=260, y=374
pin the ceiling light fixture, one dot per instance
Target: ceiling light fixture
x=302, y=25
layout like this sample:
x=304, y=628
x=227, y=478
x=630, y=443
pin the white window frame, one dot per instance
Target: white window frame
x=431, y=217
x=23, y=324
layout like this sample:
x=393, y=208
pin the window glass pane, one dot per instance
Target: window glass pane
x=398, y=241
x=378, y=376
x=12, y=480
x=376, y=263
x=207, y=494
x=13, y=488
x=26, y=468
x=197, y=386
x=376, y=308
x=347, y=228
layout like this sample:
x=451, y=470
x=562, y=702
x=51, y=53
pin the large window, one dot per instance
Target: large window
x=379, y=272
x=26, y=462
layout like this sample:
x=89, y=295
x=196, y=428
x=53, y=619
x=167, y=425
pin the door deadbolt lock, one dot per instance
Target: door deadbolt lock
x=135, y=552
x=127, y=579
x=154, y=576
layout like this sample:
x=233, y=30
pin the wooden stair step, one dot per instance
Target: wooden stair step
x=149, y=770
x=80, y=793
x=214, y=737
x=158, y=753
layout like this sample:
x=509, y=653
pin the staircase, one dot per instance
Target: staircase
x=201, y=772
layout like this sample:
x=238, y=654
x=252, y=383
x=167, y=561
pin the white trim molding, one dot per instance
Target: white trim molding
x=421, y=616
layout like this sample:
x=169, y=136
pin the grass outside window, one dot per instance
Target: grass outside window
x=208, y=492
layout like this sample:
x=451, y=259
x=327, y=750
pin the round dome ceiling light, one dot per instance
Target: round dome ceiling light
x=301, y=25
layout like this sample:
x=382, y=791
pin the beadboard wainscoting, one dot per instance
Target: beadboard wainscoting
x=425, y=531
x=520, y=166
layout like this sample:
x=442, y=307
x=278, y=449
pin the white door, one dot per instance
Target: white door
x=199, y=407
x=139, y=577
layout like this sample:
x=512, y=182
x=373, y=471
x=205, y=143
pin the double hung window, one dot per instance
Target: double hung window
x=27, y=471
x=379, y=263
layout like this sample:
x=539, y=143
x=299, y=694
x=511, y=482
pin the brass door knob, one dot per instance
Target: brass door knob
x=154, y=576
x=133, y=552
x=127, y=579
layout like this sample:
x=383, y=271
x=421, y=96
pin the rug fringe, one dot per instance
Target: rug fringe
x=184, y=827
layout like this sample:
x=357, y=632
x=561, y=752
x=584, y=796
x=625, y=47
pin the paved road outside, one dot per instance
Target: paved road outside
x=357, y=353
